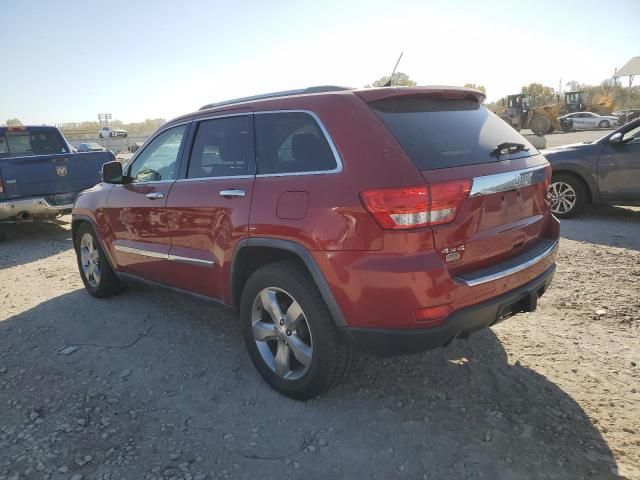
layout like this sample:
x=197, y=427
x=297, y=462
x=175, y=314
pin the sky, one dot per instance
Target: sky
x=68, y=60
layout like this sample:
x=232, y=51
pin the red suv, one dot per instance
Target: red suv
x=390, y=219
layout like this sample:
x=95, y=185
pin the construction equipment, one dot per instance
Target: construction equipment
x=544, y=119
x=515, y=111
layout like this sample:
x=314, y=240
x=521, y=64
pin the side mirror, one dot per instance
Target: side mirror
x=615, y=139
x=112, y=173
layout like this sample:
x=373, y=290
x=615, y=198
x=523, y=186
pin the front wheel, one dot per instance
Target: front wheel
x=289, y=332
x=95, y=270
x=604, y=124
x=540, y=124
x=567, y=195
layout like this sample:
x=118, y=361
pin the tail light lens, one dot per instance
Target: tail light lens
x=413, y=207
x=547, y=176
x=1, y=184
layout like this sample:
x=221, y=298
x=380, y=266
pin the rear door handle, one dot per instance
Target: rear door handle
x=232, y=193
x=155, y=195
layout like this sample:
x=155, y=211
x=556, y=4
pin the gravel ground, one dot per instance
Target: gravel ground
x=154, y=384
x=557, y=139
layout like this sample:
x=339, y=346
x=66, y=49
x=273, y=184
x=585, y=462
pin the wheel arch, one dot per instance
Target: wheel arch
x=76, y=221
x=253, y=253
x=577, y=172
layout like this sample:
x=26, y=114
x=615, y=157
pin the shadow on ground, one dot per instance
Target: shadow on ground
x=612, y=226
x=25, y=244
x=161, y=381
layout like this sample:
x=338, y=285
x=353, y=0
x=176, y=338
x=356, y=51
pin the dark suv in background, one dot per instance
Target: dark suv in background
x=392, y=219
x=603, y=172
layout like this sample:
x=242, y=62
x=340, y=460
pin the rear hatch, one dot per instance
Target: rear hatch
x=463, y=149
x=36, y=161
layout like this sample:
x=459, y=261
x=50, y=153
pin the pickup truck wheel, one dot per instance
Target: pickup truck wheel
x=289, y=332
x=567, y=194
x=95, y=270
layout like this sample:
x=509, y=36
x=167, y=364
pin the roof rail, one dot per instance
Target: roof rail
x=285, y=93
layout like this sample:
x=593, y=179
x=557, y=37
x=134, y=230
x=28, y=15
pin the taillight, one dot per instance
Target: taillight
x=1, y=185
x=413, y=207
x=547, y=176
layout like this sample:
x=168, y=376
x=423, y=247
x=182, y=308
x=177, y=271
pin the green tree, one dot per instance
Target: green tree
x=477, y=87
x=399, y=80
x=540, y=94
x=13, y=122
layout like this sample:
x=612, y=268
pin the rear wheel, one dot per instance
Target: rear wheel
x=604, y=124
x=540, y=124
x=289, y=332
x=568, y=195
x=95, y=270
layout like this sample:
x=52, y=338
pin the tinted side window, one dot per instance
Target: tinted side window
x=158, y=160
x=291, y=142
x=220, y=148
x=33, y=142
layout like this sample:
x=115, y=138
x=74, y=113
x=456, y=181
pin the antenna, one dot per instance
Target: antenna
x=390, y=82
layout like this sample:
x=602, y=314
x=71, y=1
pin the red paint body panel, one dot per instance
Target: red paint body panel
x=207, y=226
x=139, y=222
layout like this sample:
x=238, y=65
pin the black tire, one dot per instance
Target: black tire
x=580, y=198
x=539, y=124
x=332, y=354
x=108, y=283
x=604, y=124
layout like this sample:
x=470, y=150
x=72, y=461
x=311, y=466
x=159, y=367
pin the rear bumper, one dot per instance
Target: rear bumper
x=387, y=342
x=27, y=209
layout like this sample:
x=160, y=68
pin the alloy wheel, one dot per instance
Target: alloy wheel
x=90, y=260
x=563, y=197
x=281, y=333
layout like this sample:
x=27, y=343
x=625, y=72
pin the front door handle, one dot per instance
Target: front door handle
x=155, y=195
x=232, y=193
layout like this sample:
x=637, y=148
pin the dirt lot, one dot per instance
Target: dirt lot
x=158, y=385
x=560, y=138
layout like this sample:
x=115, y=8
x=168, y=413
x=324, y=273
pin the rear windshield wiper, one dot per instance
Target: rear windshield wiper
x=510, y=147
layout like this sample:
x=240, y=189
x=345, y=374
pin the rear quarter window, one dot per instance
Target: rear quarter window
x=32, y=142
x=291, y=142
x=440, y=133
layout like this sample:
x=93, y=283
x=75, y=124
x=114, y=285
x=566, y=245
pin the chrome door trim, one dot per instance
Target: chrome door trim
x=140, y=251
x=502, y=182
x=324, y=131
x=164, y=256
x=472, y=282
x=191, y=260
x=200, y=179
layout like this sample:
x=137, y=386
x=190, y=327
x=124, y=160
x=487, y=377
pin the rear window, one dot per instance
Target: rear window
x=31, y=142
x=441, y=133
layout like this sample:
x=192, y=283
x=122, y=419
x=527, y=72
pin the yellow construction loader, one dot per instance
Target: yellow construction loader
x=544, y=119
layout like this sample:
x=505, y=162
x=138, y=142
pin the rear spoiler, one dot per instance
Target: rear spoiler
x=373, y=94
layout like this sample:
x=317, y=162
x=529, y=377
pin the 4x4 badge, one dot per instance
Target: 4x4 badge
x=453, y=254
